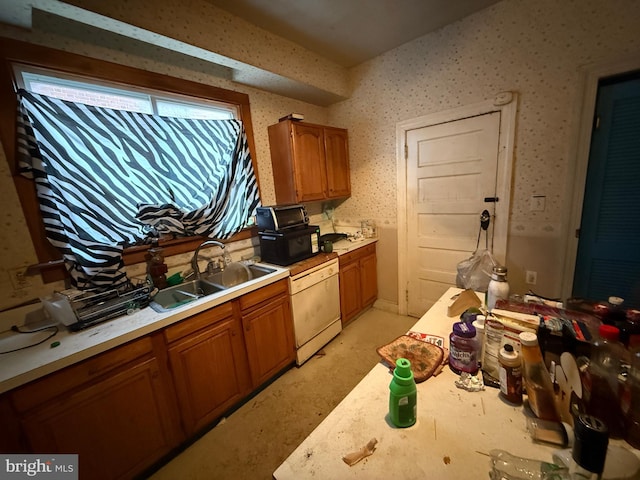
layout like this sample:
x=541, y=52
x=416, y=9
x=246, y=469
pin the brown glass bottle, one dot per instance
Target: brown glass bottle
x=537, y=380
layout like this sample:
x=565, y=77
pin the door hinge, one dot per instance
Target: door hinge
x=406, y=151
x=577, y=233
x=406, y=294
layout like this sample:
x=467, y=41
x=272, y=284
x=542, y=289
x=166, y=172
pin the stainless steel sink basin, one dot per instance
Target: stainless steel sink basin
x=258, y=271
x=237, y=274
x=181, y=294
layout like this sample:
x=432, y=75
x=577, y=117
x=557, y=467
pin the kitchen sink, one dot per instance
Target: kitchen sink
x=178, y=295
x=237, y=273
x=258, y=271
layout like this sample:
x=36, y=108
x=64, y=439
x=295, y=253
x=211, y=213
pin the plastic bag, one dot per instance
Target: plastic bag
x=475, y=271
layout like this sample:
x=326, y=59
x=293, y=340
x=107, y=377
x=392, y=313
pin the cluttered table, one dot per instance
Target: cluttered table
x=451, y=439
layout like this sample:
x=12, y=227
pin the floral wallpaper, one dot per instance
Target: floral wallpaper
x=536, y=48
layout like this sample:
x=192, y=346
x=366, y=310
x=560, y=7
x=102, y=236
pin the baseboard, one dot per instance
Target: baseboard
x=386, y=306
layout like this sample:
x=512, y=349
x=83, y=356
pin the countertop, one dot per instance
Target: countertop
x=345, y=246
x=454, y=432
x=23, y=366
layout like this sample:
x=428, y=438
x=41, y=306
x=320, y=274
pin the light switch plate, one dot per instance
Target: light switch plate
x=537, y=203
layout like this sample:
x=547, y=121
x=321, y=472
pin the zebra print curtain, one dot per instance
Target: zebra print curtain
x=107, y=179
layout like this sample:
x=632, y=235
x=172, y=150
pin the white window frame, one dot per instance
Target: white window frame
x=26, y=76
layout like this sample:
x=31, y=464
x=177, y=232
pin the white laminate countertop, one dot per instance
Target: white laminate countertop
x=345, y=246
x=451, y=439
x=23, y=366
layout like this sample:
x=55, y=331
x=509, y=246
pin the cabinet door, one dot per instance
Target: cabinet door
x=268, y=333
x=210, y=372
x=337, y=159
x=117, y=426
x=11, y=438
x=350, y=291
x=368, y=280
x=309, y=162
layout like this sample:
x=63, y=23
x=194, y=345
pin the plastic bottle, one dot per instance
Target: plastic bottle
x=478, y=324
x=589, y=448
x=537, y=379
x=498, y=287
x=603, y=399
x=510, y=375
x=403, y=395
x=505, y=466
x=632, y=434
x=464, y=348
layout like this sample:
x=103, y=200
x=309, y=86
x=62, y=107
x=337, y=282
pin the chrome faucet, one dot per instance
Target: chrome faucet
x=194, y=260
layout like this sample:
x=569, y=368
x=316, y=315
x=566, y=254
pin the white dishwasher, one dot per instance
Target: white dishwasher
x=315, y=306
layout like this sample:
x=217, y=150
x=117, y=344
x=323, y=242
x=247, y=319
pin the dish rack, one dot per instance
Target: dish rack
x=79, y=309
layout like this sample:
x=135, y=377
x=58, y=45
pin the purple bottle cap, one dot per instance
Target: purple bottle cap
x=463, y=329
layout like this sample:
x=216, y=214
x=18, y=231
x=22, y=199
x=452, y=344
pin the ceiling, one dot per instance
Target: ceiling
x=350, y=32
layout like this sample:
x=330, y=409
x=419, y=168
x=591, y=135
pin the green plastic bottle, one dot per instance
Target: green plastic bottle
x=403, y=395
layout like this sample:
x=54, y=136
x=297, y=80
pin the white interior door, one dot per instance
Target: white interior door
x=451, y=169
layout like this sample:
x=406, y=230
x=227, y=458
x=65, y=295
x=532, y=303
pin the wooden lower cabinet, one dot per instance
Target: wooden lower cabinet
x=119, y=423
x=209, y=366
x=268, y=331
x=122, y=411
x=358, y=281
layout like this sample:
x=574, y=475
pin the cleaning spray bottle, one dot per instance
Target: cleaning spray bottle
x=403, y=395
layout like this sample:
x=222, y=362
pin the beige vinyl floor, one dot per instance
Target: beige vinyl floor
x=255, y=439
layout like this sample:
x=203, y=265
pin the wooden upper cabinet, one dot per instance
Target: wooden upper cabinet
x=310, y=162
x=336, y=146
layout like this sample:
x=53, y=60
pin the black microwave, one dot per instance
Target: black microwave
x=290, y=246
x=281, y=217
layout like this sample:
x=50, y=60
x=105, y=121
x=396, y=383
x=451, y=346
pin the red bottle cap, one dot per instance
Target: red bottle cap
x=609, y=332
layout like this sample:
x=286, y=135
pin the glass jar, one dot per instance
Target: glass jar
x=368, y=228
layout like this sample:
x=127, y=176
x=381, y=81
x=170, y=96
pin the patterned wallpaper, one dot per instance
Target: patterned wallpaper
x=536, y=48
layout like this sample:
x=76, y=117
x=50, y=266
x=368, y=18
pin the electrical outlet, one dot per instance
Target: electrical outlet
x=531, y=277
x=18, y=279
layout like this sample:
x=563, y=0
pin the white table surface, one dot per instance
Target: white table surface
x=451, y=439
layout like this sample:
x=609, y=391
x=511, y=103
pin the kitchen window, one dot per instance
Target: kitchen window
x=144, y=92
x=104, y=94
